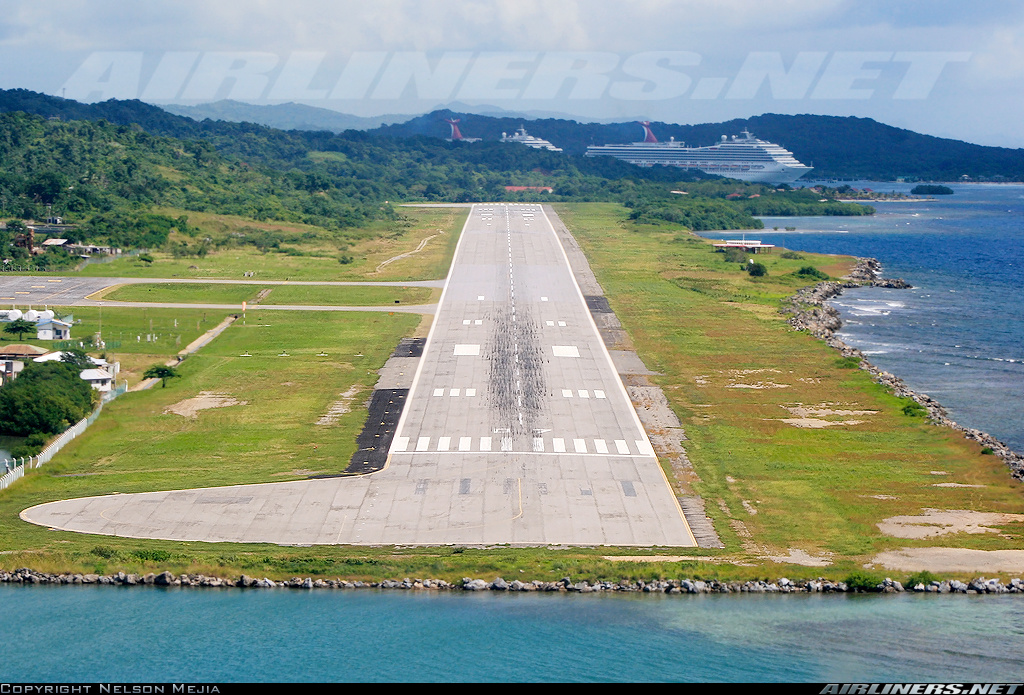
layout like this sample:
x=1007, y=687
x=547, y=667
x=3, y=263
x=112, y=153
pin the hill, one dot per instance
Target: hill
x=282, y=116
x=837, y=147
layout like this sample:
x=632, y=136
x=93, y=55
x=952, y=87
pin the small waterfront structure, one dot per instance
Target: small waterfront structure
x=748, y=246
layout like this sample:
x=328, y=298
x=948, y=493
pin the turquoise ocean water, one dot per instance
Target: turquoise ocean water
x=147, y=634
x=959, y=334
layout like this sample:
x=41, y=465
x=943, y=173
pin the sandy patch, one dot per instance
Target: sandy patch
x=936, y=522
x=749, y=507
x=190, y=407
x=959, y=560
x=758, y=385
x=658, y=558
x=801, y=557
x=812, y=417
x=800, y=410
x=881, y=497
x=815, y=423
x=954, y=485
x=340, y=406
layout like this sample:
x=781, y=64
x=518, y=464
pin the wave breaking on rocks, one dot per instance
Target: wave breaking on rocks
x=810, y=312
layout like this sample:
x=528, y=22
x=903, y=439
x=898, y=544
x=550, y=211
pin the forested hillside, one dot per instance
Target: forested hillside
x=837, y=147
x=116, y=180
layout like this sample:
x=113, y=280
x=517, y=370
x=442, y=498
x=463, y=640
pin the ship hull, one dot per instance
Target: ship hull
x=747, y=159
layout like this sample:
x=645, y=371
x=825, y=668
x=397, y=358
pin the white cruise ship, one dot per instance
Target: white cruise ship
x=742, y=157
x=529, y=140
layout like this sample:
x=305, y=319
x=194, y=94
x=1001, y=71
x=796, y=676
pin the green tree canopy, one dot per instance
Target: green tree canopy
x=19, y=327
x=161, y=372
x=46, y=397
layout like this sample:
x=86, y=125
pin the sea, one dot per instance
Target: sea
x=958, y=336
x=152, y=634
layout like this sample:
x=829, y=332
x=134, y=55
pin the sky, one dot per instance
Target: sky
x=947, y=68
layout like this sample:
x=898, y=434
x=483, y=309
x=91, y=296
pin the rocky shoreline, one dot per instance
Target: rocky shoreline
x=811, y=313
x=979, y=585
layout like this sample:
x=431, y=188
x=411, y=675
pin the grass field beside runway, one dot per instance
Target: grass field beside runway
x=311, y=295
x=735, y=372
x=310, y=252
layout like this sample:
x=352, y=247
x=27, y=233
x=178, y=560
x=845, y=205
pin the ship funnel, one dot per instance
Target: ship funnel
x=456, y=135
x=648, y=133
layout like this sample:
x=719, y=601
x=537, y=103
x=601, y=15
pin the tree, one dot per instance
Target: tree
x=19, y=326
x=161, y=372
x=77, y=358
x=46, y=397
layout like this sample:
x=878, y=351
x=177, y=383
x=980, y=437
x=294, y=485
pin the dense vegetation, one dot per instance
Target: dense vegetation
x=931, y=189
x=837, y=147
x=46, y=398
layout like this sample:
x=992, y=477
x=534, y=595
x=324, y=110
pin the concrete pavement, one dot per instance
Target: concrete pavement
x=517, y=430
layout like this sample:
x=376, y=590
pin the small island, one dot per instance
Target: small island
x=931, y=189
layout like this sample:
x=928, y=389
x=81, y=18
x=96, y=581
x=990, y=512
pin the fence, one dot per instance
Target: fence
x=16, y=467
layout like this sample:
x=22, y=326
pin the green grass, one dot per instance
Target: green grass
x=321, y=250
x=710, y=329
x=308, y=295
x=182, y=293
x=703, y=323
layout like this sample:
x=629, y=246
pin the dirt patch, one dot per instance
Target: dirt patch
x=190, y=407
x=659, y=558
x=758, y=385
x=340, y=406
x=797, y=556
x=955, y=485
x=816, y=424
x=419, y=248
x=937, y=522
x=961, y=560
x=812, y=417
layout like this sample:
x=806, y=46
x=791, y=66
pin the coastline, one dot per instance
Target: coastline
x=812, y=313
x=978, y=585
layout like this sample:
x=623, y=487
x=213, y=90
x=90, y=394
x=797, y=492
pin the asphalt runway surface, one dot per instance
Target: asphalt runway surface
x=516, y=430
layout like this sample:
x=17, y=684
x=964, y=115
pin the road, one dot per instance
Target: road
x=517, y=430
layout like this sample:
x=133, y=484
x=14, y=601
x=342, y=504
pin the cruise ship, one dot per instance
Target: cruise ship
x=529, y=140
x=741, y=157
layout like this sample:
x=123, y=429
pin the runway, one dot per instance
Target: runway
x=517, y=430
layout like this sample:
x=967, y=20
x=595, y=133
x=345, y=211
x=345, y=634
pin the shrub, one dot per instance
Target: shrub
x=757, y=270
x=923, y=577
x=152, y=555
x=988, y=451
x=861, y=581
x=791, y=255
x=812, y=272
x=735, y=256
x=914, y=409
